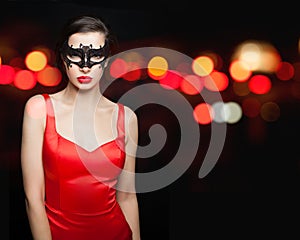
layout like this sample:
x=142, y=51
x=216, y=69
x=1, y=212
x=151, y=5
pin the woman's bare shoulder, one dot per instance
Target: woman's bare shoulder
x=35, y=106
x=130, y=117
x=129, y=112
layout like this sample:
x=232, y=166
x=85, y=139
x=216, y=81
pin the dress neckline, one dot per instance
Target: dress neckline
x=73, y=142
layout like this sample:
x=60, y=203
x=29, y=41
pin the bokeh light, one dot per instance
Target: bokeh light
x=134, y=71
x=171, y=80
x=259, y=55
x=118, y=68
x=218, y=109
x=285, y=71
x=260, y=84
x=216, y=81
x=24, y=80
x=157, y=67
x=203, y=113
x=202, y=65
x=36, y=60
x=270, y=111
x=49, y=76
x=239, y=71
x=191, y=84
x=232, y=112
x=7, y=74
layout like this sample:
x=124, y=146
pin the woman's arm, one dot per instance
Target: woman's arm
x=32, y=167
x=128, y=199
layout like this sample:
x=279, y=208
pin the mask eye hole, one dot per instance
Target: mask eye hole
x=97, y=58
x=74, y=58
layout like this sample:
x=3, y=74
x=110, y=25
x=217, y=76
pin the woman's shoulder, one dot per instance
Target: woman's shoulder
x=130, y=117
x=37, y=99
x=129, y=113
x=127, y=110
x=35, y=105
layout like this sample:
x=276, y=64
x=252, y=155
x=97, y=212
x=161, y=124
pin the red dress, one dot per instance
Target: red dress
x=80, y=197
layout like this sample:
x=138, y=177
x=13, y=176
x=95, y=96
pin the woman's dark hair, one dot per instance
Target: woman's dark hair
x=79, y=24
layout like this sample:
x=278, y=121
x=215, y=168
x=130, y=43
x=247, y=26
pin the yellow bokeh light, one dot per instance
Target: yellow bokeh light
x=203, y=66
x=158, y=66
x=36, y=60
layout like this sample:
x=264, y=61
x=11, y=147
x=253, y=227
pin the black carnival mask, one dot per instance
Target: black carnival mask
x=84, y=56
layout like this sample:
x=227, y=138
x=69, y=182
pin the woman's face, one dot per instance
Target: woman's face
x=84, y=66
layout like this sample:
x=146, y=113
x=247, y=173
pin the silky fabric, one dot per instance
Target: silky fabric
x=80, y=197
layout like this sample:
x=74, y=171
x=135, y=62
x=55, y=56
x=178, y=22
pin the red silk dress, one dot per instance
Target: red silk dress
x=80, y=197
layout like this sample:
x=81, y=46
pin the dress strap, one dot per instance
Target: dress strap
x=49, y=108
x=46, y=96
x=50, y=119
x=121, y=121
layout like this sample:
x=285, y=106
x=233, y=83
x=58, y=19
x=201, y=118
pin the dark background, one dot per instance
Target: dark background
x=266, y=165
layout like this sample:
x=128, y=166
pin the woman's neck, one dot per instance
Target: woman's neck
x=88, y=97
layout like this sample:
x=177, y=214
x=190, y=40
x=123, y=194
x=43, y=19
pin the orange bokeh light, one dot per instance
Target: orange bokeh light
x=49, y=76
x=216, y=81
x=239, y=71
x=203, y=113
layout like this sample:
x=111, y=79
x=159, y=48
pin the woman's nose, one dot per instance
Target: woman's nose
x=85, y=69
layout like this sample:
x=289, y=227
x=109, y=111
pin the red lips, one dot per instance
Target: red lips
x=84, y=79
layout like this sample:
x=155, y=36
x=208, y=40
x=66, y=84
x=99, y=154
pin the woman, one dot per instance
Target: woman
x=78, y=148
